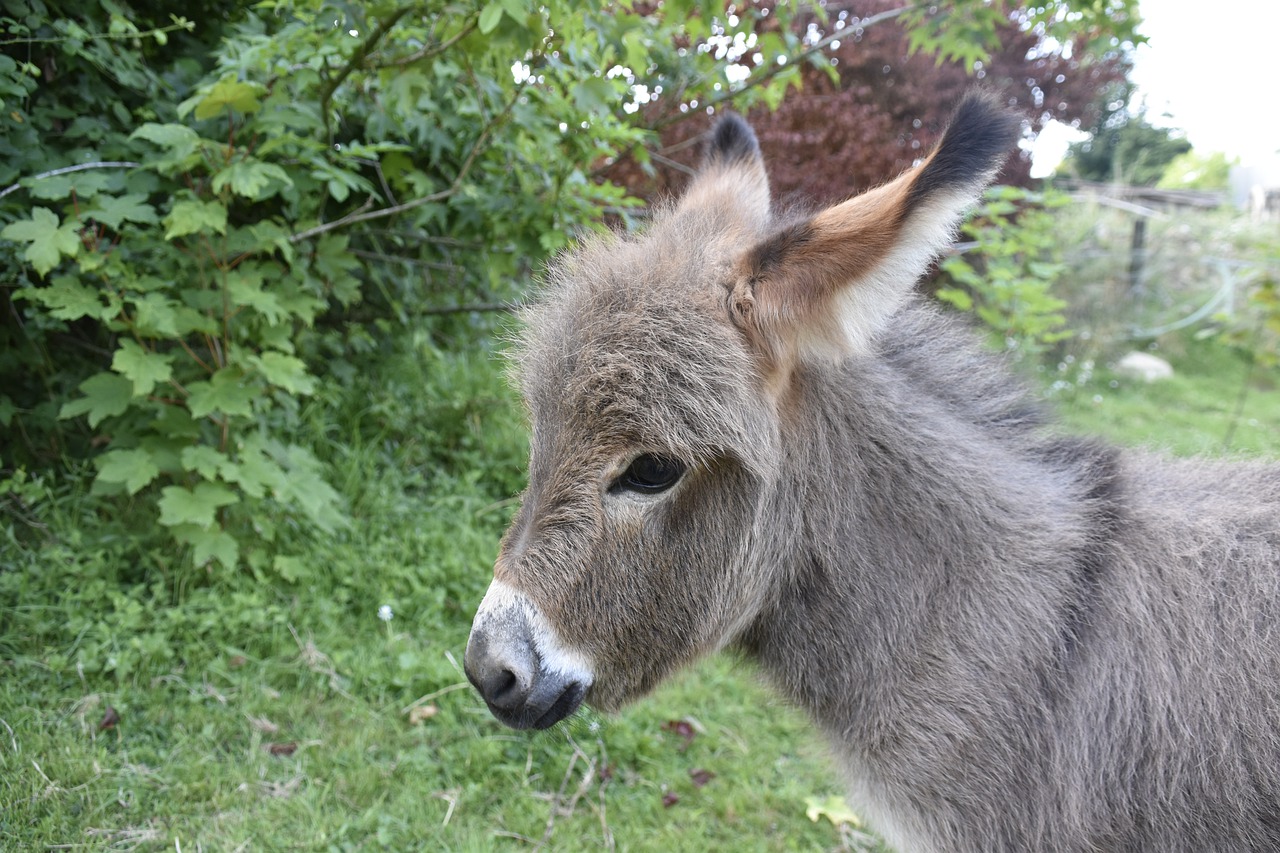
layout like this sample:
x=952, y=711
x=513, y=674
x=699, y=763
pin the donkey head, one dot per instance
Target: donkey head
x=656, y=369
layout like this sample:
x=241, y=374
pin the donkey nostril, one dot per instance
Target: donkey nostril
x=504, y=683
x=504, y=690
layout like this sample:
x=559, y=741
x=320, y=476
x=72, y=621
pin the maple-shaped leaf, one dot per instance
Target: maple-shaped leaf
x=192, y=217
x=111, y=211
x=226, y=392
x=105, y=395
x=141, y=366
x=198, y=506
x=228, y=95
x=48, y=242
x=134, y=468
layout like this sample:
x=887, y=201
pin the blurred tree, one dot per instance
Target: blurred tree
x=1195, y=171
x=873, y=104
x=1123, y=146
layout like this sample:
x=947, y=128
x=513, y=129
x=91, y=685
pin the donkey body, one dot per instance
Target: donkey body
x=748, y=433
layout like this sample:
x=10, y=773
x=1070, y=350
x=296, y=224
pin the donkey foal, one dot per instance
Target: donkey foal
x=748, y=433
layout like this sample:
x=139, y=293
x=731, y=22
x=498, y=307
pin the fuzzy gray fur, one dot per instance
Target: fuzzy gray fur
x=1013, y=640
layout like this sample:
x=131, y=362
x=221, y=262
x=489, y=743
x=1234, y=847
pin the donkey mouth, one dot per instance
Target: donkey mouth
x=538, y=715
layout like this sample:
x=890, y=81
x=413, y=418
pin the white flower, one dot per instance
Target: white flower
x=384, y=613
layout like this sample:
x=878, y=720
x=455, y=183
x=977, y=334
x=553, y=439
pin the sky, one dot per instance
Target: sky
x=1210, y=66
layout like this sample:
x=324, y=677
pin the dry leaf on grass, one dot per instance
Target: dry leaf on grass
x=420, y=713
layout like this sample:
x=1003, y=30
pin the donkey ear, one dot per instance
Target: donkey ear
x=732, y=178
x=823, y=287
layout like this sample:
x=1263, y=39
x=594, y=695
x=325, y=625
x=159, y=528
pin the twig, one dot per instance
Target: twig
x=358, y=57
x=382, y=213
x=104, y=164
x=184, y=25
x=431, y=50
x=422, y=700
x=451, y=797
x=674, y=164
x=558, y=807
x=517, y=836
x=474, y=307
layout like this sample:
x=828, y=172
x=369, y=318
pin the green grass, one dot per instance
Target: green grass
x=208, y=673
x=1196, y=412
x=190, y=763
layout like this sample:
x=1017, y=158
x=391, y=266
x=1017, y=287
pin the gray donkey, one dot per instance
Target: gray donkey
x=748, y=433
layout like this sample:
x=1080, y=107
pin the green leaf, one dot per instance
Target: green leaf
x=48, y=241
x=85, y=185
x=284, y=371
x=204, y=460
x=209, y=545
x=290, y=569
x=305, y=488
x=192, y=217
x=225, y=392
x=68, y=299
x=112, y=211
x=142, y=366
x=134, y=468
x=155, y=316
x=254, y=472
x=490, y=17
x=244, y=287
x=177, y=138
x=228, y=95
x=834, y=808
x=198, y=506
x=250, y=178
x=105, y=395
x=594, y=94
x=956, y=297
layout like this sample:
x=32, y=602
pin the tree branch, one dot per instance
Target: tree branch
x=776, y=69
x=433, y=49
x=453, y=188
x=358, y=57
x=106, y=164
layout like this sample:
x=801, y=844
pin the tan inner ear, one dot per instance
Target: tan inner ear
x=787, y=285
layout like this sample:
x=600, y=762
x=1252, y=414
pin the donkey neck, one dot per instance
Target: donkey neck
x=917, y=492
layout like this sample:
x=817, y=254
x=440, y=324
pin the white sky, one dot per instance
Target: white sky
x=1210, y=66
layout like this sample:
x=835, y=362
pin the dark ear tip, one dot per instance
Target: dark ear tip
x=982, y=112
x=732, y=139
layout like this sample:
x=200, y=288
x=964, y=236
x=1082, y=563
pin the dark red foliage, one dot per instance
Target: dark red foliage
x=831, y=140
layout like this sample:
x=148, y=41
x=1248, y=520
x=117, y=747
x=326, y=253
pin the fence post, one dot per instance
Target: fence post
x=1137, y=253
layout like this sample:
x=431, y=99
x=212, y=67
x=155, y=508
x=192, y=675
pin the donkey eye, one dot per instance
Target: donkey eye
x=649, y=474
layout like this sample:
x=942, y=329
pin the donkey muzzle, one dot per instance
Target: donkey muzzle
x=525, y=675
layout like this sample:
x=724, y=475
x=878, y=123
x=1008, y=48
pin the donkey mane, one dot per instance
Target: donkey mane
x=749, y=432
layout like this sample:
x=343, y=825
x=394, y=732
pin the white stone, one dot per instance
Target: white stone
x=1144, y=366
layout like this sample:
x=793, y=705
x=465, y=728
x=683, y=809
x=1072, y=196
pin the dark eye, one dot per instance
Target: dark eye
x=649, y=474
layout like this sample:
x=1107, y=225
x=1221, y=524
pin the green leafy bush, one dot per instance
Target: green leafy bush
x=251, y=216
x=1007, y=277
